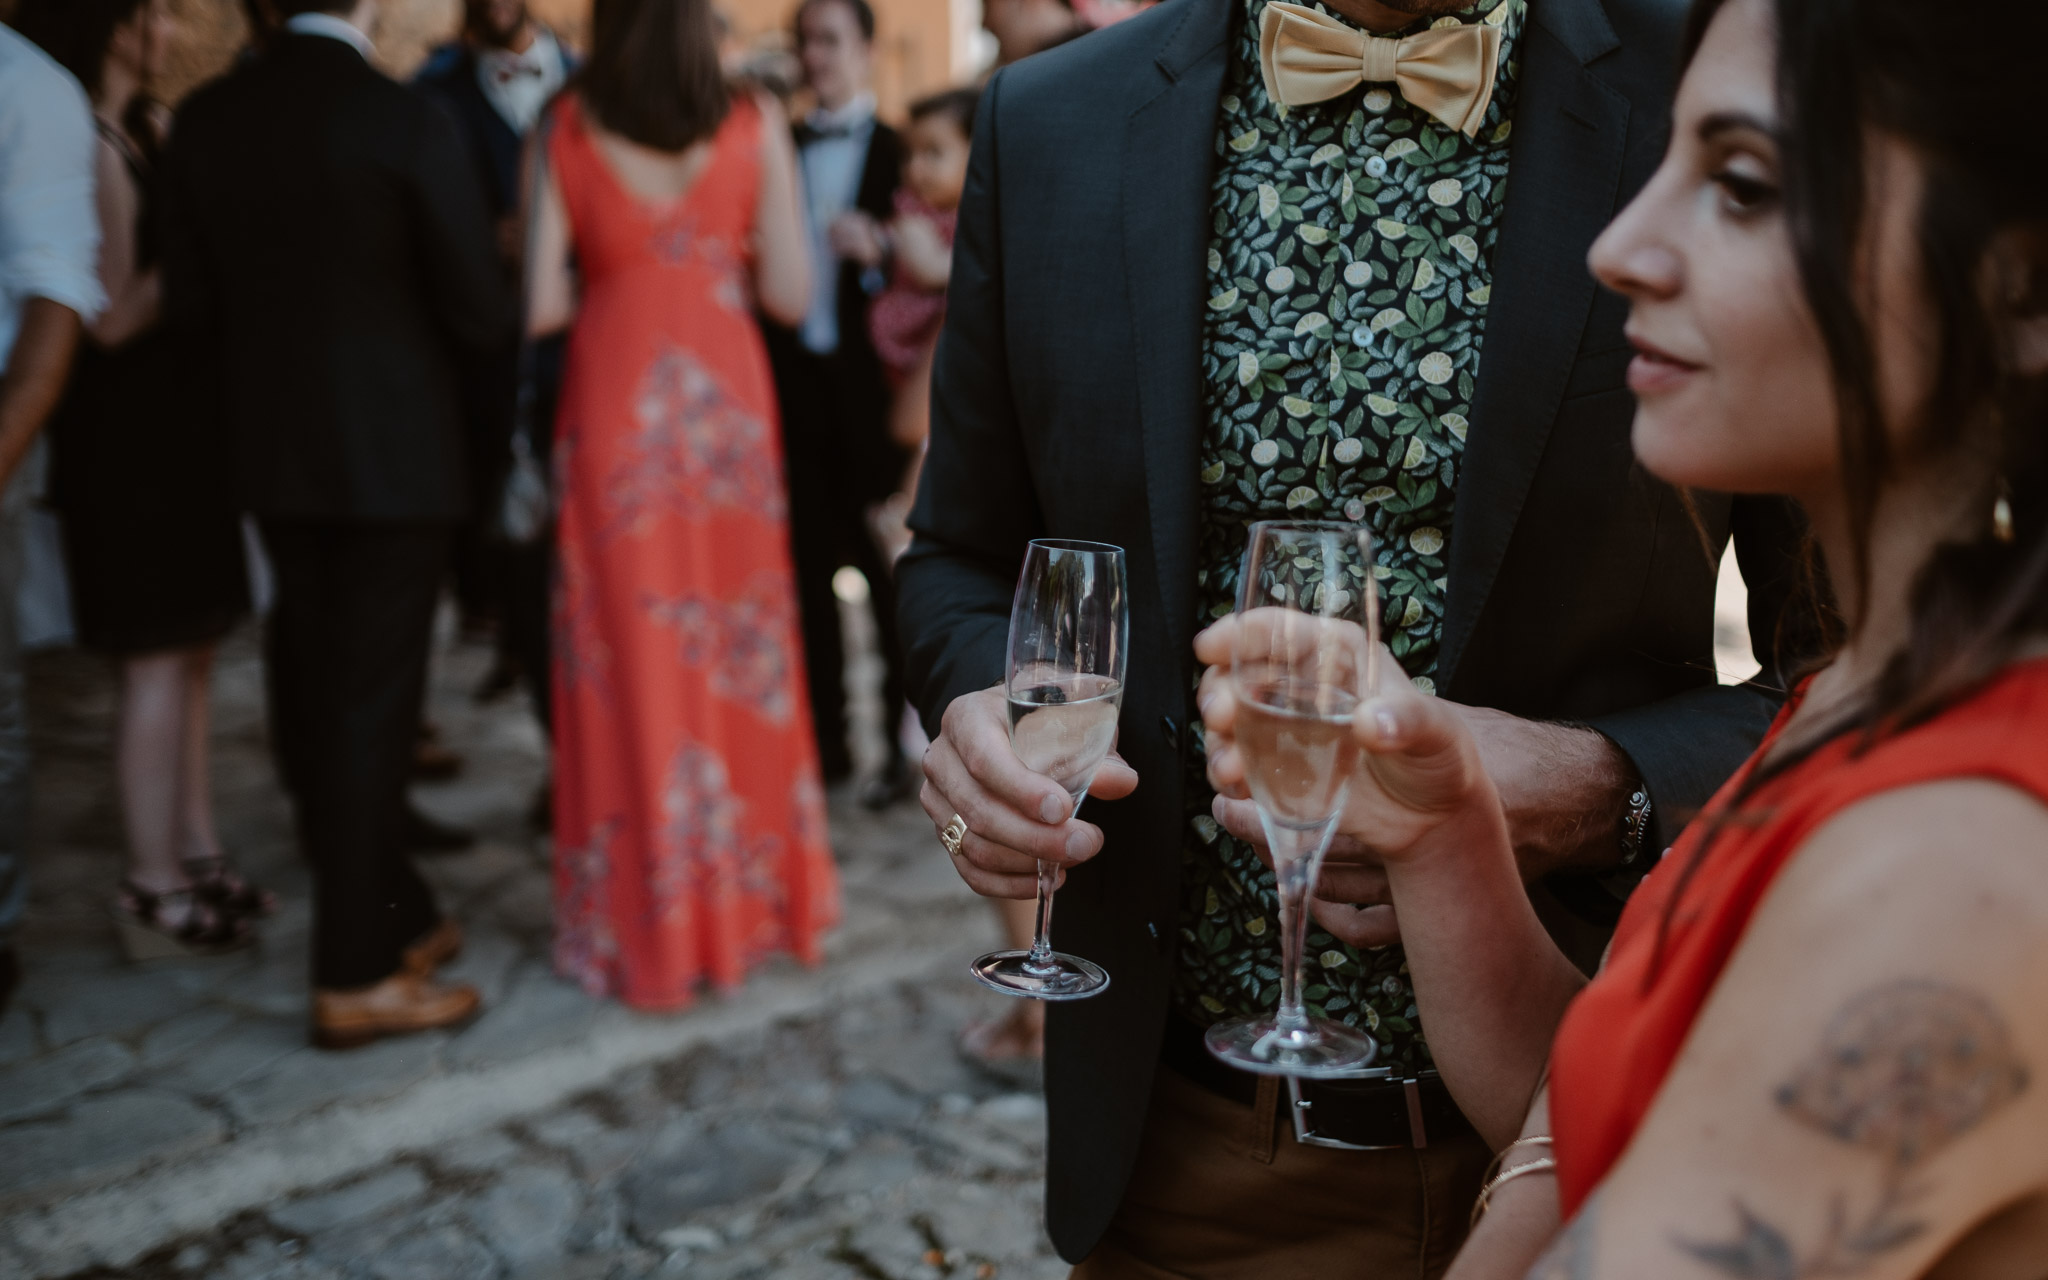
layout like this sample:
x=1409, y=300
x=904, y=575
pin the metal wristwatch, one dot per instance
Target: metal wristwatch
x=1635, y=825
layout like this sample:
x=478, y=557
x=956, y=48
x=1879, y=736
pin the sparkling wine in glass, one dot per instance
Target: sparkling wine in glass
x=1069, y=628
x=1308, y=629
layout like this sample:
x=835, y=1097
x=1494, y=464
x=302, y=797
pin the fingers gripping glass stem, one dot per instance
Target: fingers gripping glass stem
x=1069, y=628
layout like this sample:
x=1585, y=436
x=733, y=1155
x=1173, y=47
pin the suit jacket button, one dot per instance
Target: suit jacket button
x=1169, y=731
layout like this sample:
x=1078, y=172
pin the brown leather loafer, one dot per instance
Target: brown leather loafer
x=436, y=947
x=403, y=1003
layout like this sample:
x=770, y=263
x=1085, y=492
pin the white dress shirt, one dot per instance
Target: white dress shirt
x=832, y=167
x=49, y=226
x=334, y=27
x=518, y=85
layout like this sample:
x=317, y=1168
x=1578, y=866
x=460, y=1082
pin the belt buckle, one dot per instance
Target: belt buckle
x=1300, y=1108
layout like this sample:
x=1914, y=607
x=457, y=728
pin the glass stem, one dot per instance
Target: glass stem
x=1040, y=962
x=1297, y=856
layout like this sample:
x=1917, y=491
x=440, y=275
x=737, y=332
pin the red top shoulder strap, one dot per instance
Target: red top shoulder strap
x=1624, y=1032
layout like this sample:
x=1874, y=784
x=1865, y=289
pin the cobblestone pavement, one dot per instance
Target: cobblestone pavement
x=170, y=1121
x=851, y=1144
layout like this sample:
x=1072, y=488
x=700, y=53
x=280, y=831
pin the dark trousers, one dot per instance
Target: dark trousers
x=839, y=461
x=347, y=650
x=524, y=626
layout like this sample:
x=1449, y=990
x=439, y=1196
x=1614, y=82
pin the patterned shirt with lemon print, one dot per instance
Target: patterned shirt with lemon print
x=1350, y=267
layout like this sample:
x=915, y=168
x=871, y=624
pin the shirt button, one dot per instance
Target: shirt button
x=1361, y=336
x=1377, y=166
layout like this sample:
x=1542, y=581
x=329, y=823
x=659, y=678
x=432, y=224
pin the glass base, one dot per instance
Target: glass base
x=1071, y=978
x=1259, y=1046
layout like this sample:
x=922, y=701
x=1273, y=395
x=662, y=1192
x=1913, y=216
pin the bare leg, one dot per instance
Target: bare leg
x=1020, y=1032
x=148, y=754
x=197, y=837
x=1020, y=922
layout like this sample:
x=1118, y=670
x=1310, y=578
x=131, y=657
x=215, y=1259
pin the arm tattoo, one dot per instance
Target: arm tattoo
x=1570, y=1256
x=1902, y=1072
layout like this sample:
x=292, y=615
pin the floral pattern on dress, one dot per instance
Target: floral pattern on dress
x=1349, y=273
x=748, y=644
x=582, y=658
x=586, y=950
x=681, y=241
x=696, y=448
x=807, y=809
x=708, y=845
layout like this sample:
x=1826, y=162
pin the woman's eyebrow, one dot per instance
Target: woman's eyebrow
x=1720, y=122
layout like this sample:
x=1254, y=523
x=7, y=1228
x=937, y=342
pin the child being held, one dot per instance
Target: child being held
x=905, y=317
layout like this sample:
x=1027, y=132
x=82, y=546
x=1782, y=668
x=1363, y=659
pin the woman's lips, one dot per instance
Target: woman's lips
x=1656, y=371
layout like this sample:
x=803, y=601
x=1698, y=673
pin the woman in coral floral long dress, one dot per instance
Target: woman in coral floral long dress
x=689, y=819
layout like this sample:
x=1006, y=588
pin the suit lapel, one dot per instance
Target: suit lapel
x=1168, y=162
x=1564, y=173
x=881, y=171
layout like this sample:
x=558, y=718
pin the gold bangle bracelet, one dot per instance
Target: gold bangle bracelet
x=1500, y=1157
x=1542, y=1164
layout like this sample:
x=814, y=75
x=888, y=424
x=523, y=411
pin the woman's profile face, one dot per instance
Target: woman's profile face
x=1731, y=374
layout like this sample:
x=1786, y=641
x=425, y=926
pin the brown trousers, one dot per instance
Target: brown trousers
x=1224, y=1192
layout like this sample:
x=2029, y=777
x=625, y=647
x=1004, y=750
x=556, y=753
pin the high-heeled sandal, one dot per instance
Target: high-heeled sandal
x=226, y=888
x=207, y=929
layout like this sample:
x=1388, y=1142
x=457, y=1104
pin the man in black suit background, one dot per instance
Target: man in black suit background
x=1024, y=27
x=494, y=82
x=834, y=395
x=328, y=239
x=1176, y=309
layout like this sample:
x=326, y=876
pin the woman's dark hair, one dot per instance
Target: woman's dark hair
x=1845, y=68
x=75, y=33
x=653, y=74
x=958, y=105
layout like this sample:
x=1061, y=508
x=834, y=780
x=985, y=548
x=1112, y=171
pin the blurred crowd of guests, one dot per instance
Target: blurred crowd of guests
x=603, y=339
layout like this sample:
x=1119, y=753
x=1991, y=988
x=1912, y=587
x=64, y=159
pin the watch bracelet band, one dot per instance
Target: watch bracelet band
x=1635, y=817
x=1635, y=824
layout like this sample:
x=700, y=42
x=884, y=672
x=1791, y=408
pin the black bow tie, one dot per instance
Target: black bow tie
x=826, y=133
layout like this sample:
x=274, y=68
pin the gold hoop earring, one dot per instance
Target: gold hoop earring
x=2001, y=514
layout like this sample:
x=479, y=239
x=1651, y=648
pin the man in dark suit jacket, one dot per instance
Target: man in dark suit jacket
x=1176, y=309
x=494, y=83
x=834, y=396
x=328, y=239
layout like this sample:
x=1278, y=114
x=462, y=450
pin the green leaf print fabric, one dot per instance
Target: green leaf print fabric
x=1350, y=267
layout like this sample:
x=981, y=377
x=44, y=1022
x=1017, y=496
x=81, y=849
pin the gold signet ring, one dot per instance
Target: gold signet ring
x=952, y=834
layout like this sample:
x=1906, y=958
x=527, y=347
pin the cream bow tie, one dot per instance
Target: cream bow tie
x=1308, y=56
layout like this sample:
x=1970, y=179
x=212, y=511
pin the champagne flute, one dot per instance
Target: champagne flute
x=1069, y=629
x=1308, y=628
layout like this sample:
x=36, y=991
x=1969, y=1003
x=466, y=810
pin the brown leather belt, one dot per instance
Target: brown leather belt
x=1377, y=1110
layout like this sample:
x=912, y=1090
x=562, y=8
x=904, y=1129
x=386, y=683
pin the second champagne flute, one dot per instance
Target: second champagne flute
x=1069, y=627
x=1307, y=632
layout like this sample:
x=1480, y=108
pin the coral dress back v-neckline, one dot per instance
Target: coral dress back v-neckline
x=655, y=207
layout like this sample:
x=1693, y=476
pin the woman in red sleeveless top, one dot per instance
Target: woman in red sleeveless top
x=689, y=816
x=1819, y=1044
